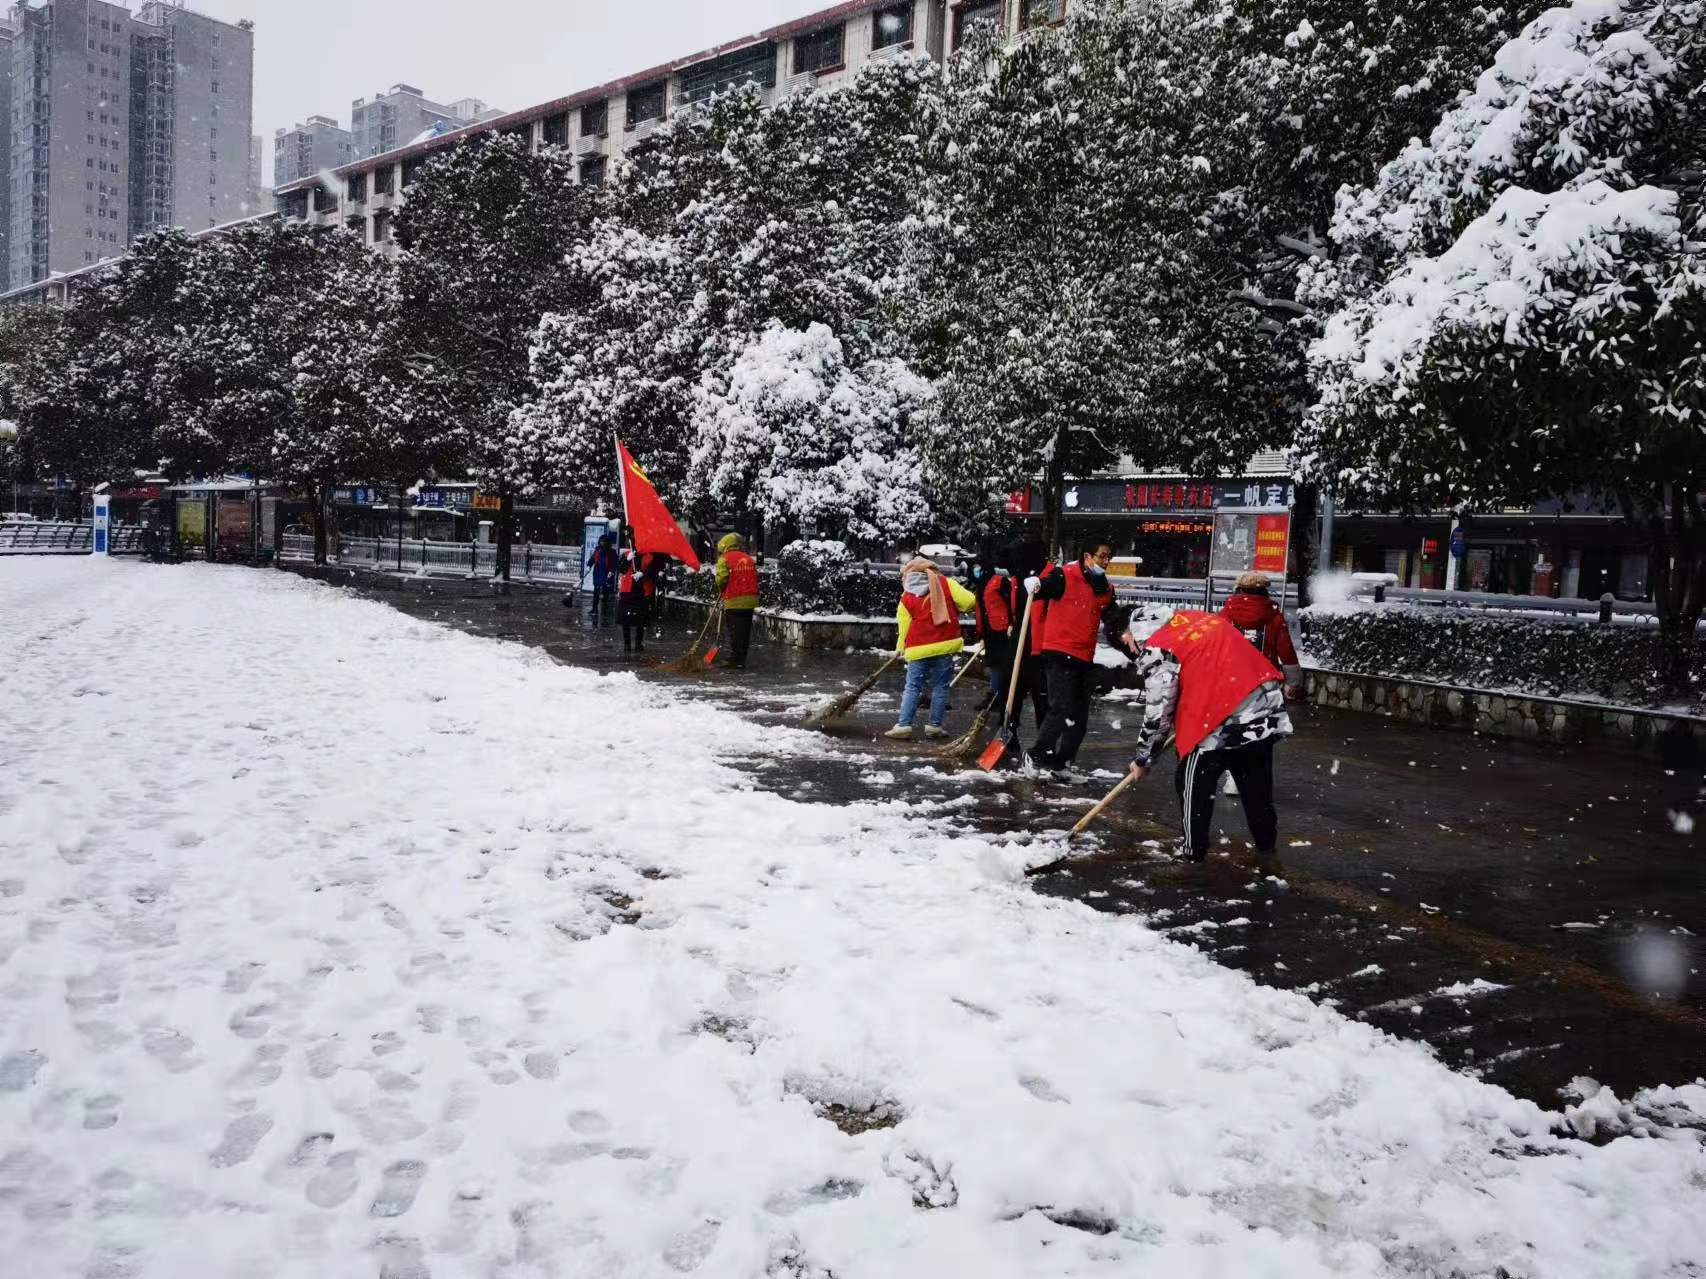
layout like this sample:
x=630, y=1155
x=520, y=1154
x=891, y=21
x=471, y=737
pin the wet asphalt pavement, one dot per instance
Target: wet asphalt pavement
x=1533, y=913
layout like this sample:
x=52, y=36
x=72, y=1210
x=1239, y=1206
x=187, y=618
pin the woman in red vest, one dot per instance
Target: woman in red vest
x=1077, y=599
x=1027, y=559
x=929, y=620
x=1225, y=705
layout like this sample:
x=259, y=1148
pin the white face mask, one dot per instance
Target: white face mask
x=1096, y=570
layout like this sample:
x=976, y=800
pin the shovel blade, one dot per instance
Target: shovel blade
x=711, y=655
x=996, y=751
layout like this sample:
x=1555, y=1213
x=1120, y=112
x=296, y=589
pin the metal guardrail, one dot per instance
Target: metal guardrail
x=539, y=562
x=529, y=561
x=64, y=537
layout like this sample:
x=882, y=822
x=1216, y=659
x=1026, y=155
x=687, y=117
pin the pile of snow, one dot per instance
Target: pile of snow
x=334, y=943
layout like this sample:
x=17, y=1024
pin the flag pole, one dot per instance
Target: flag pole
x=621, y=477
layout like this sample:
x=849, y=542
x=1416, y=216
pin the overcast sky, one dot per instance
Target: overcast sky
x=313, y=56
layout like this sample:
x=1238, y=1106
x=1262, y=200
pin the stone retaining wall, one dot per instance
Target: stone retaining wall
x=1498, y=714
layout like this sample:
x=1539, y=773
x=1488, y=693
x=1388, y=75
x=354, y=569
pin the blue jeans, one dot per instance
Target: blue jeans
x=935, y=674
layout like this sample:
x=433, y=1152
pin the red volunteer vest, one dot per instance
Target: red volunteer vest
x=1072, y=621
x=995, y=616
x=743, y=575
x=1039, y=616
x=1218, y=669
x=626, y=585
x=924, y=629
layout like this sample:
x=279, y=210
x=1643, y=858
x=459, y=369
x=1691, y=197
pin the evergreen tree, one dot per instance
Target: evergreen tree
x=1523, y=297
x=794, y=434
x=484, y=241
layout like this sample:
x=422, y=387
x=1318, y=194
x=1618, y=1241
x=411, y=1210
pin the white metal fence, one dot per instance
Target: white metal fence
x=529, y=561
x=64, y=537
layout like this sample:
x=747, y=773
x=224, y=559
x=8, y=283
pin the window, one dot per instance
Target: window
x=382, y=227
x=755, y=64
x=821, y=50
x=412, y=170
x=891, y=26
x=384, y=180
x=974, y=16
x=215, y=86
x=592, y=171
x=358, y=188
x=595, y=119
x=554, y=130
x=1040, y=13
x=324, y=201
x=645, y=103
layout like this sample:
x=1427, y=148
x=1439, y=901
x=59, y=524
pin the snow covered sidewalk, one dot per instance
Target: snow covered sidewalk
x=333, y=943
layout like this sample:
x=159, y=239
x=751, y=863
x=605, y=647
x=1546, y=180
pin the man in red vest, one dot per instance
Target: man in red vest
x=1077, y=598
x=1225, y=704
x=737, y=583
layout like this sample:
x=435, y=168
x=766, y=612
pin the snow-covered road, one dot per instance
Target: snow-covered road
x=333, y=943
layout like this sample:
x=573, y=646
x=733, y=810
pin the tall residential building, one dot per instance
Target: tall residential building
x=70, y=144
x=192, y=108
x=399, y=116
x=118, y=125
x=318, y=146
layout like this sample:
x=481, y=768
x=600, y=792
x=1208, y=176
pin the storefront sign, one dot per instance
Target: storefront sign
x=137, y=493
x=1195, y=528
x=1108, y=497
x=359, y=496
x=1459, y=543
x=488, y=502
x=459, y=499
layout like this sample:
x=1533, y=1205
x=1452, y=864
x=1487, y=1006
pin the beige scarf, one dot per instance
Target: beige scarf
x=938, y=593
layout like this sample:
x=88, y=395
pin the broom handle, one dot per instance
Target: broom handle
x=975, y=653
x=1018, y=657
x=871, y=680
x=1107, y=799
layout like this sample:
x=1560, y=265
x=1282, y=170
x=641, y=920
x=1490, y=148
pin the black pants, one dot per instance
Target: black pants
x=740, y=634
x=1070, y=681
x=1033, y=684
x=601, y=596
x=1252, y=767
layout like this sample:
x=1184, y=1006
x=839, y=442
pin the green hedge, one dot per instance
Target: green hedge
x=1543, y=657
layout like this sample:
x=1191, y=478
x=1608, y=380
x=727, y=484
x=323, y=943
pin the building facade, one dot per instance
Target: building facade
x=600, y=123
x=119, y=124
x=401, y=114
x=318, y=146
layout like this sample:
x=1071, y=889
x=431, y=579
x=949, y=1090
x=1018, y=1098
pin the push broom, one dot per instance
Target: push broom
x=841, y=705
x=685, y=663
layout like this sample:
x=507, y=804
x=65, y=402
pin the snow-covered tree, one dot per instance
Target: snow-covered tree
x=1524, y=295
x=729, y=218
x=483, y=240
x=794, y=433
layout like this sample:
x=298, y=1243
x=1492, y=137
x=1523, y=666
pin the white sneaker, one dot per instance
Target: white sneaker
x=900, y=733
x=934, y=731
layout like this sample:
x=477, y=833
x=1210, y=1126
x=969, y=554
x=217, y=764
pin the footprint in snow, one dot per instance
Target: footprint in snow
x=18, y=1071
x=242, y=1135
x=263, y=1068
x=1039, y=1088
x=171, y=1048
x=402, y=1182
x=100, y=1112
x=334, y=1183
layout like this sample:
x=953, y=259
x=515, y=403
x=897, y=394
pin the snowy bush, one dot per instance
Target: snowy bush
x=794, y=434
x=1476, y=649
x=823, y=577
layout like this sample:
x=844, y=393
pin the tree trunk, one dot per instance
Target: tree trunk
x=1054, y=499
x=506, y=533
x=321, y=519
x=1306, y=536
x=1679, y=580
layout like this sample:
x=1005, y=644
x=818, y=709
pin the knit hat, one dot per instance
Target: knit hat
x=1253, y=583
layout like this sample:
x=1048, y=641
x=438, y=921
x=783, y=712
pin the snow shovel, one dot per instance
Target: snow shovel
x=1092, y=815
x=841, y=705
x=1007, y=737
x=716, y=644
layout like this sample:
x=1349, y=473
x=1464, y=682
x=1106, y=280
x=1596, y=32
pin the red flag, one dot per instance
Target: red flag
x=655, y=529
